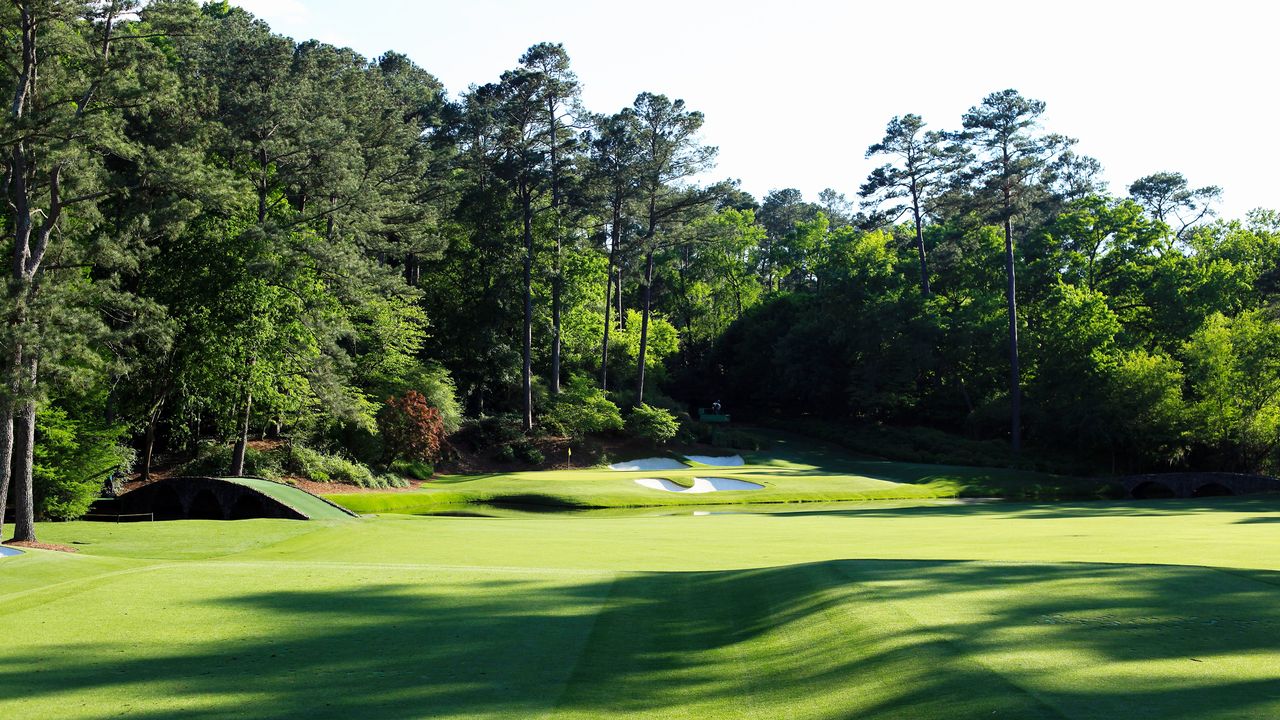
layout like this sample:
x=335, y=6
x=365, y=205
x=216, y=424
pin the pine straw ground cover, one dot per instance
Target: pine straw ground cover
x=1166, y=610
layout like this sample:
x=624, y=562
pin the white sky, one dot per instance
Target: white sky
x=794, y=92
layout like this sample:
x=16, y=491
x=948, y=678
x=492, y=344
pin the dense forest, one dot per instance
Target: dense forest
x=219, y=233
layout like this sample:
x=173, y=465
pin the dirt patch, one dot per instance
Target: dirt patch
x=40, y=546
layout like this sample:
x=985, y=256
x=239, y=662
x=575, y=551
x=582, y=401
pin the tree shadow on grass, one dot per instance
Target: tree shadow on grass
x=867, y=639
x=1047, y=511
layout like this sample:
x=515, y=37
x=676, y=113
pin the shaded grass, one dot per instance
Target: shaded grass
x=868, y=639
x=878, y=611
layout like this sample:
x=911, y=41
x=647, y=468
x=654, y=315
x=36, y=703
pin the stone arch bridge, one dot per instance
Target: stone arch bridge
x=235, y=498
x=1197, y=484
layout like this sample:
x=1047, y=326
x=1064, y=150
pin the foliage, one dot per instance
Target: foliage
x=433, y=382
x=326, y=467
x=212, y=459
x=521, y=450
x=415, y=469
x=581, y=410
x=1233, y=370
x=412, y=428
x=279, y=460
x=653, y=424
x=75, y=454
x=259, y=236
x=491, y=431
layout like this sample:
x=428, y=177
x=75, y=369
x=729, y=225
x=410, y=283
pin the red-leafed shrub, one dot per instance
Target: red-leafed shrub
x=411, y=429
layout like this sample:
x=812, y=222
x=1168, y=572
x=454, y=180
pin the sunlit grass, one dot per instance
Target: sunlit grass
x=790, y=470
x=1087, y=610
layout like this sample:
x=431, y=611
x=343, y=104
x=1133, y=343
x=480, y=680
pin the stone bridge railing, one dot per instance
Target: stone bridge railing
x=1197, y=484
x=203, y=498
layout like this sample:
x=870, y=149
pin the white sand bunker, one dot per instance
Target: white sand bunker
x=654, y=463
x=700, y=485
x=724, y=461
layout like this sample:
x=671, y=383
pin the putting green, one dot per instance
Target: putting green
x=1087, y=610
x=789, y=470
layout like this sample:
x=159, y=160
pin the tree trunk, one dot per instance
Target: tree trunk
x=686, y=347
x=622, y=316
x=608, y=306
x=149, y=444
x=6, y=457
x=527, y=389
x=24, y=438
x=1015, y=386
x=148, y=448
x=556, y=280
x=242, y=438
x=644, y=326
x=555, y=323
x=262, y=185
x=615, y=236
x=411, y=271
x=924, y=266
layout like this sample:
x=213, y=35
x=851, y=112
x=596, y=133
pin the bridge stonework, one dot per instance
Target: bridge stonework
x=1197, y=484
x=203, y=498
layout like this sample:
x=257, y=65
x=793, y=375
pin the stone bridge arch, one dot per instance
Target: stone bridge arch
x=211, y=498
x=1191, y=484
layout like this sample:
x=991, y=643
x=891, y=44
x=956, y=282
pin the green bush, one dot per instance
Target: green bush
x=521, y=450
x=928, y=445
x=492, y=431
x=324, y=467
x=654, y=424
x=73, y=457
x=415, y=469
x=391, y=480
x=581, y=410
x=529, y=453
x=432, y=381
x=214, y=459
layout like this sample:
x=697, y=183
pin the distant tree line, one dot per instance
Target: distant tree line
x=216, y=232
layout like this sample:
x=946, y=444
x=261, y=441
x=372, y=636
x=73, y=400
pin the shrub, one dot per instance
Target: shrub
x=391, y=480
x=415, y=469
x=529, y=453
x=214, y=459
x=492, y=431
x=431, y=380
x=325, y=467
x=73, y=459
x=411, y=428
x=651, y=423
x=581, y=410
x=343, y=470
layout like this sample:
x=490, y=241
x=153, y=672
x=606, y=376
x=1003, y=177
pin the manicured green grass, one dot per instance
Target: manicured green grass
x=313, y=507
x=790, y=469
x=1162, y=610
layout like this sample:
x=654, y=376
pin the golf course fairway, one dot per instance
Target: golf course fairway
x=942, y=610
